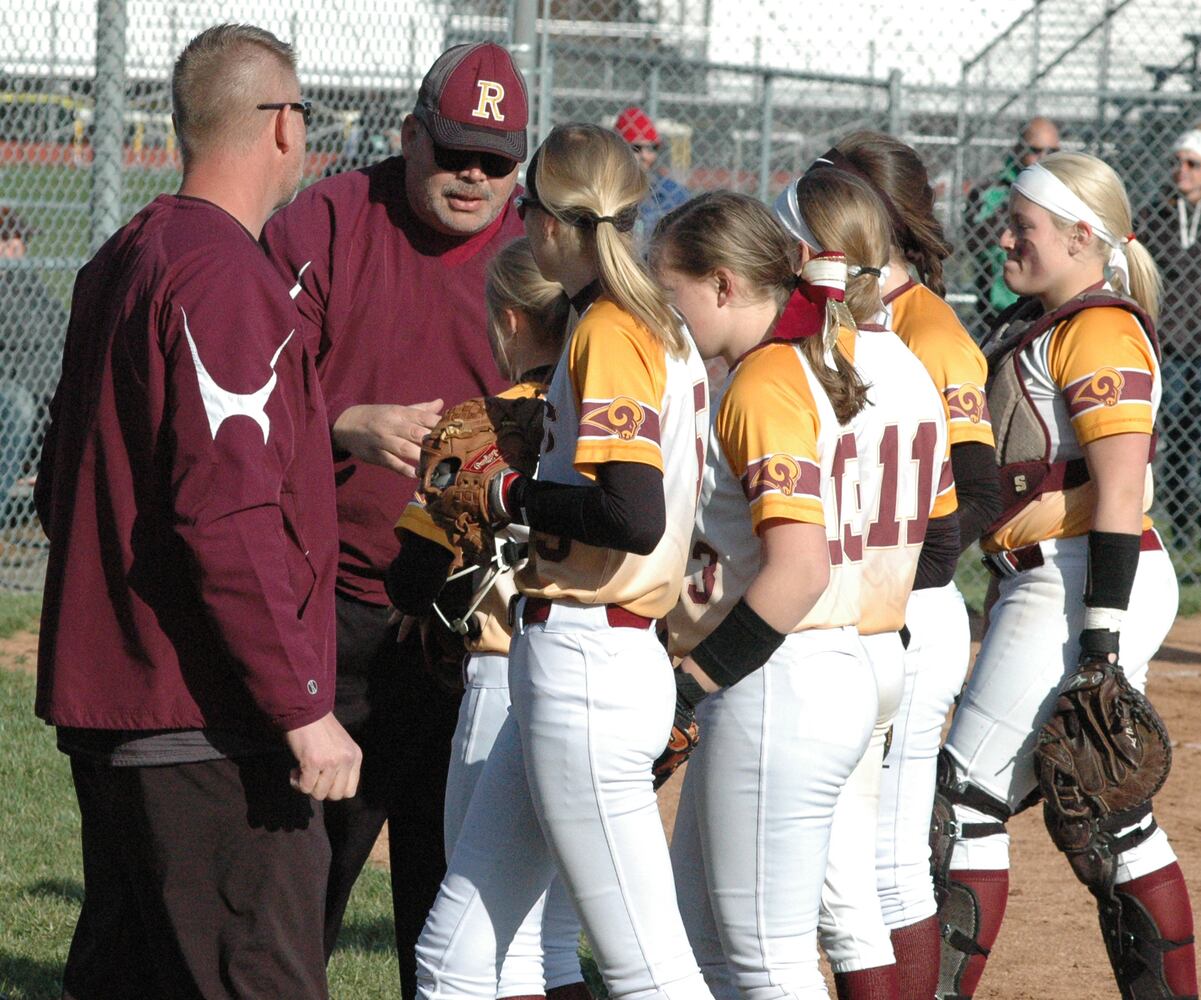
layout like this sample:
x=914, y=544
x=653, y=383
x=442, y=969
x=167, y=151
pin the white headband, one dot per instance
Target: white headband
x=1042, y=187
x=1190, y=142
x=788, y=213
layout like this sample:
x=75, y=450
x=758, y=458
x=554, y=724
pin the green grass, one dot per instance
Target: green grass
x=41, y=881
x=18, y=611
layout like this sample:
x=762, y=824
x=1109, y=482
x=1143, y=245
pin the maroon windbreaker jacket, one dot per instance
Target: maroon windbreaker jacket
x=187, y=490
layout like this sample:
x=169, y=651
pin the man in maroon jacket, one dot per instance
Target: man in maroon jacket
x=389, y=262
x=187, y=643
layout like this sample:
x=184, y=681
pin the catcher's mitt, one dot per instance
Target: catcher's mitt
x=1104, y=751
x=474, y=443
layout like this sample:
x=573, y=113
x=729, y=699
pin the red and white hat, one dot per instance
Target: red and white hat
x=474, y=98
x=635, y=126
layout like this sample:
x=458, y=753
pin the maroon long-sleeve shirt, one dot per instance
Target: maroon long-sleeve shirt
x=396, y=314
x=186, y=487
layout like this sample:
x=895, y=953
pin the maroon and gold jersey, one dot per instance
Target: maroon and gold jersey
x=617, y=396
x=776, y=451
x=1089, y=377
x=932, y=331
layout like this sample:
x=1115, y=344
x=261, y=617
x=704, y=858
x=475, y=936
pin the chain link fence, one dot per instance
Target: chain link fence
x=743, y=94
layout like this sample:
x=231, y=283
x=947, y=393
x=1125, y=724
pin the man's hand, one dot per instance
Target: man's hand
x=327, y=759
x=386, y=434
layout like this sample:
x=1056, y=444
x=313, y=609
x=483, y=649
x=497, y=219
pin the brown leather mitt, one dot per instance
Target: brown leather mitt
x=1104, y=751
x=685, y=735
x=474, y=444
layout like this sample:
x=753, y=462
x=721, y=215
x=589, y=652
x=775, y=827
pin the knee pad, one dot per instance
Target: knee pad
x=949, y=791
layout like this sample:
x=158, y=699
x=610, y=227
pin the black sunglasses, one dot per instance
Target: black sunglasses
x=638, y=147
x=1042, y=150
x=304, y=107
x=523, y=202
x=456, y=161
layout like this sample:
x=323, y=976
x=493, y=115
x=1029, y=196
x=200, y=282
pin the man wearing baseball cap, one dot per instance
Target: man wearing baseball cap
x=635, y=126
x=387, y=265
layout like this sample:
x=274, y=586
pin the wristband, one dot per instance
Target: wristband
x=740, y=645
x=1112, y=563
x=1097, y=644
x=689, y=688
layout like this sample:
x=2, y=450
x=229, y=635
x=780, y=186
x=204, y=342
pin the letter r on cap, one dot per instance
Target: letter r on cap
x=491, y=94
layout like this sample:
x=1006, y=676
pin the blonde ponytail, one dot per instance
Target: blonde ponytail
x=1096, y=183
x=587, y=177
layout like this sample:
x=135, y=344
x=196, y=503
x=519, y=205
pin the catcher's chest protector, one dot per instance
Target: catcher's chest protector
x=1024, y=445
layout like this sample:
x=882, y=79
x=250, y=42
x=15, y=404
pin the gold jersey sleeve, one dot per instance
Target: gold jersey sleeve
x=932, y=331
x=767, y=427
x=618, y=372
x=1104, y=366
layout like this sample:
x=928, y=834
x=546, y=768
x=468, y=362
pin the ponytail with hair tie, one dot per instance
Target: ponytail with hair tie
x=817, y=304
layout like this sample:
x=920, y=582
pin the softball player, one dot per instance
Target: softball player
x=1079, y=565
x=768, y=621
x=936, y=657
x=527, y=317
x=568, y=782
x=901, y=440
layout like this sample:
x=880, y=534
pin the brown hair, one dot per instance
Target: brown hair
x=737, y=232
x=588, y=178
x=514, y=282
x=218, y=79
x=846, y=215
x=899, y=175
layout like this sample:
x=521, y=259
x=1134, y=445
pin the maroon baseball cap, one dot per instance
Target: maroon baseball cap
x=474, y=98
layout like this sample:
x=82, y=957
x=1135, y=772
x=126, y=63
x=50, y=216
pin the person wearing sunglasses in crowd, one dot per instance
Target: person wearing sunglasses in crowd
x=388, y=265
x=666, y=193
x=985, y=216
x=1170, y=230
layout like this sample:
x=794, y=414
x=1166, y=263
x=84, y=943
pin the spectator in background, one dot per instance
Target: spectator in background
x=985, y=216
x=1169, y=229
x=635, y=126
x=33, y=324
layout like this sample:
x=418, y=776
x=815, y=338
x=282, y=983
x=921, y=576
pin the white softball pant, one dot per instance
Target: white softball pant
x=851, y=928
x=544, y=953
x=1029, y=648
x=935, y=665
x=753, y=826
x=568, y=784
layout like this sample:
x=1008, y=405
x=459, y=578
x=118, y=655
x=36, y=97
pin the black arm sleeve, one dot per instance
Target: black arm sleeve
x=415, y=578
x=976, y=486
x=940, y=552
x=625, y=510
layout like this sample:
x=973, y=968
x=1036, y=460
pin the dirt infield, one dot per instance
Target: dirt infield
x=1049, y=945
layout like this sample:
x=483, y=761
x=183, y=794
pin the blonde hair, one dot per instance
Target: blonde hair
x=736, y=232
x=588, y=178
x=218, y=79
x=514, y=282
x=846, y=215
x=1096, y=183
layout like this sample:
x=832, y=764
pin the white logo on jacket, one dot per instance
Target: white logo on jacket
x=221, y=404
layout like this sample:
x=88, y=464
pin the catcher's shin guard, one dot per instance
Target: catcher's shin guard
x=1145, y=923
x=971, y=904
x=1148, y=934
x=970, y=920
